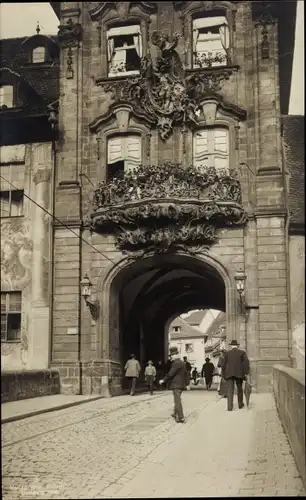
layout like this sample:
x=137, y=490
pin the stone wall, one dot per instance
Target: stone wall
x=256, y=149
x=297, y=298
x=289, y=392
x=16, y=385
x=25, y=253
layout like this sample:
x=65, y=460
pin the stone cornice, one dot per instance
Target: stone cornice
x=270, y=212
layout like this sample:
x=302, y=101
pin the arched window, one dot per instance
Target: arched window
x=211, y=148
x=123, y=154
x=6, y=96
x=124, y=48
x=38, y=55
x=210, y=41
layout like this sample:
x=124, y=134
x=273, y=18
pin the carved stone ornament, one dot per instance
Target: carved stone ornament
x=166, y=207
x=70, y=34
x=97, y=9
x=163, y=93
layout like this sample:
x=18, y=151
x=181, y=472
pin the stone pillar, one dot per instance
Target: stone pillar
x=40, y=243
x=39, y=332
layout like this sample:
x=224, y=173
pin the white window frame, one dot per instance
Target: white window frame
x=19, y=197
x=38, y=51
x=131, y=163
x=4, y=100
x=210, y=39
x=133, y=30
x=211, y=153
x=6, y=312
x=192, y=348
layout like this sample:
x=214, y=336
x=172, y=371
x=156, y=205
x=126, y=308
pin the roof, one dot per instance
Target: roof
x=187, y=331
x=216, y=325
x=293, y=146
x=43, y=78
x=195, y=318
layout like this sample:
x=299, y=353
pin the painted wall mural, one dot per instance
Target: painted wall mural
x=16, y=254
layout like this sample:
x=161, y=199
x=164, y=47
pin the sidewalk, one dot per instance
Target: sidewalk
x=17, y=410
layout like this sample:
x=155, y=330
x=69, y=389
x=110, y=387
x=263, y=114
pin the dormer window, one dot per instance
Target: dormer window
x=124, y=46
x=38, y=55
x=123, y=154
x=210, y=41
x=6, y=96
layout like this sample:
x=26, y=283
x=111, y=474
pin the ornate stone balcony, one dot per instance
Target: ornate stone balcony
x=168, y=206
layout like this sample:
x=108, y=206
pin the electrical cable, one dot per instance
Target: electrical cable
x=58, y=220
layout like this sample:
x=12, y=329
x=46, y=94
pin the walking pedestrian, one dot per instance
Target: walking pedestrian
x=235, y=370
x=177, y=378
x=207, y=372
x=194, y=375
x=150, y=375
x=132, y=371
x=188, y=372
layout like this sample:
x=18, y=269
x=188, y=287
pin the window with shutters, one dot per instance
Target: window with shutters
x=6, y=96
x=38, y=55
x=123, y=154
x=210, y=41
x=211, y=148
x=10, y=316
x=124, y=47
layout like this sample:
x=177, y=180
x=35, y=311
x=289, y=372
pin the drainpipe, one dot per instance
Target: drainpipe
x=79, y=167
x=53, y=120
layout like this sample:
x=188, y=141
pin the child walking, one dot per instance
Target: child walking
x=150, y=375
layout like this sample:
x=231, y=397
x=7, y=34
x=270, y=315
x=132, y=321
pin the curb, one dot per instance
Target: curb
x=33, y=413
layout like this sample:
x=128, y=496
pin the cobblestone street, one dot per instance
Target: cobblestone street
x=131, y=447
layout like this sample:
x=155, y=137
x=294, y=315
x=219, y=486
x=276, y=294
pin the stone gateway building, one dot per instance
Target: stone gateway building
x=166, y=176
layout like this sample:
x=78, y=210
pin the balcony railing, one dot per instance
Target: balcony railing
x=180, y=203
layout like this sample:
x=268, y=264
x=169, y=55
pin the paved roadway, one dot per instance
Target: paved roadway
x=130, y=447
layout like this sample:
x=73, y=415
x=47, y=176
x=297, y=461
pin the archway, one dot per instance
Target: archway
x=139, y=297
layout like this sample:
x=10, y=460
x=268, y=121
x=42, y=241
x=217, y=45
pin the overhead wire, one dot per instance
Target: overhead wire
x=58, y=220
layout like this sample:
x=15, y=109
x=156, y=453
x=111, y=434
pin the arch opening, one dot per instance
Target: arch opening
x=145, y=295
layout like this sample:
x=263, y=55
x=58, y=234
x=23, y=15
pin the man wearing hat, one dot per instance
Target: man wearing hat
x=177, y=377
x=235, y=369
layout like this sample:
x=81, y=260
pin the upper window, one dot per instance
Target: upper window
x=11, y=203
x=124, y=46
x=123, y=154
x=39, y=55
x=6, y=96
x=10, y=315
x=211, y=148
x=210, y=41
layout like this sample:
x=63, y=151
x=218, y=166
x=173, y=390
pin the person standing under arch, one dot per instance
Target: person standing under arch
x=132, y=371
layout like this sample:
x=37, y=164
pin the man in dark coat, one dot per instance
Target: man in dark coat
x=235, y=369
x=188, y=372
x=207, y=372
x=177, y=378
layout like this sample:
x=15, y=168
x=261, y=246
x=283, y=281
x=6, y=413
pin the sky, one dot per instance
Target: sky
x=20, y=19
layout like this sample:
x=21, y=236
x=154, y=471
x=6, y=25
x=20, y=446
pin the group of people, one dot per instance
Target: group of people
x=234, y=365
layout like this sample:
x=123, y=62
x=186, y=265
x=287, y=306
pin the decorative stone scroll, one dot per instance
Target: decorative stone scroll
x=69, y=36
x=168, y=206
x=163, y=92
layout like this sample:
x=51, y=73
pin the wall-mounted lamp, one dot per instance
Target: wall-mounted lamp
x=86, y=287
x=240, y=278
